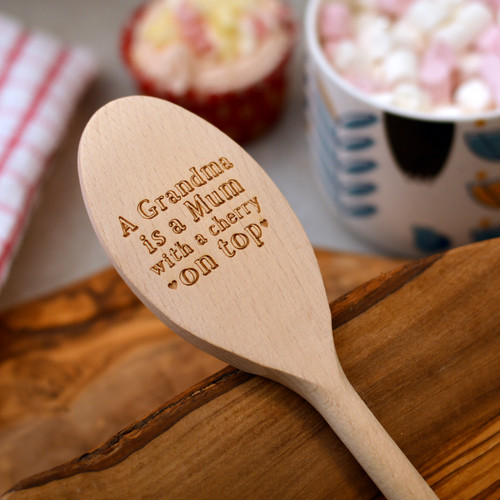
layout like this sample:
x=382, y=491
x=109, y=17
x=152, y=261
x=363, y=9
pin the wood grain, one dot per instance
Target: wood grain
x=427, y=365
x=74, y=366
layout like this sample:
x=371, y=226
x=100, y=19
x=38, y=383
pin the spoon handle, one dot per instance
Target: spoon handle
x=371, y=445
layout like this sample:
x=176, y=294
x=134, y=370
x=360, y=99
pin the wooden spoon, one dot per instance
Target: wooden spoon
x=206, y=240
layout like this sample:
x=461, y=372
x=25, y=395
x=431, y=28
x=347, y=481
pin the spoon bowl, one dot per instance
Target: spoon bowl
x=150, y=185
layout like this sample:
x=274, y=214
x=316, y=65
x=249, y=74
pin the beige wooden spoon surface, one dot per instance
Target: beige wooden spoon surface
x=207, y=241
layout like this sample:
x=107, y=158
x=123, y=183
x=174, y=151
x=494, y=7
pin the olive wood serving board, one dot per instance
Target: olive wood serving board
x=74, y=366
x=84, y=363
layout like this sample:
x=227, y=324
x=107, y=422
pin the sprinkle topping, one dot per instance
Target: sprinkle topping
x=220, y=29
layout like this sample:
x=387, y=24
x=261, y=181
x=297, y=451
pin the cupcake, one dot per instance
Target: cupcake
x=224, y=60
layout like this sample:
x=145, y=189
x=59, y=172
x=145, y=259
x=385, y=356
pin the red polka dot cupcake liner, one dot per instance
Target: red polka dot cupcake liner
x=244, y=114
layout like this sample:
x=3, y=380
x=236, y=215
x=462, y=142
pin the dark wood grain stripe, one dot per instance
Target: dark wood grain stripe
x=370, y=293
x=139, y=434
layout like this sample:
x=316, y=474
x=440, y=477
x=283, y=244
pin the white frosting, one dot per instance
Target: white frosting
x=174, y=66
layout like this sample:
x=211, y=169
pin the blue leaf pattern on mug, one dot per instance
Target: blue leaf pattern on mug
x=358, y=166
x=332, y=148
x=357, y=143
x=345, y=165
x=356, y=120
x=361, y=188
x=334, y=126
x=486, y=145
x=341, y=192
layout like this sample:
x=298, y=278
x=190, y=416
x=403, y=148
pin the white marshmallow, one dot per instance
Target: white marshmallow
x=348, y=58
x=363, y=20
x=400, y=66
x=405, y=34
x=471, y=19
x=366, y=4
x=469, y=65
x=426, y=15
x=374, y=39
x=473, y=96
x=475, y=15
x=409, y=96
x=454, y=35
x=452, y=5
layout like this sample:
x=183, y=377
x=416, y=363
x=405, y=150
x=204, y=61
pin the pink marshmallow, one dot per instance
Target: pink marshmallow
x=334, y=22
x=442, y=54
x=490, y=71
x=436, y=72
x=438, y=86
x=489, y=40
x=493, y=4
x=394, y=8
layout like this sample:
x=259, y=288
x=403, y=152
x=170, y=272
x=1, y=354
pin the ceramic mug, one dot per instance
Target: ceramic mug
x=408, y=183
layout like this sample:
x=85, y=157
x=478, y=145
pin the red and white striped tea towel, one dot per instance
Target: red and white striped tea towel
x=41, y=80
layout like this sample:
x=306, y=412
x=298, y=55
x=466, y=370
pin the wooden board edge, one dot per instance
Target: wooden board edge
x=138, y=434
x=373, y=291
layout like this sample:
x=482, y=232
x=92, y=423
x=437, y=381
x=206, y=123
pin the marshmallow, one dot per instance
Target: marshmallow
x=366, y=4
x=334, y=21
x=426, y=14
x=439, y=87
x=454, y=35
x=409, y=96
x=490, y=71
x=405, y=34
x=349, y=58
x=435, y=74
x=469, y=65
x=399, y=66
x=439, y=56
x=375, y=39
x=489, y=40
x=452, y=5
x=493, y=4
x=473, y=96
x=365, y=19
x=476, y=16
x=393, y=7
x=470, y=20
x=423, y=55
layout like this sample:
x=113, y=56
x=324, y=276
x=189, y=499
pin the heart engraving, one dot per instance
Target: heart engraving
x=264, y=222
x=173, y=285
